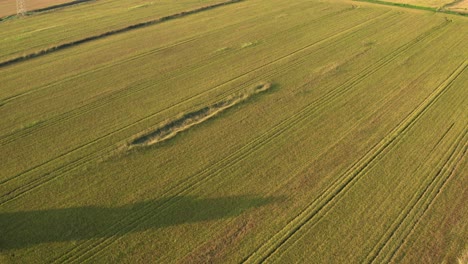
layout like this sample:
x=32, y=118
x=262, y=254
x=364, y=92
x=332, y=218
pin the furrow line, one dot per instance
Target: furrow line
x=450, y=173
x=420, y=202
x=329, y=208
x=350, y=176
x=385, y=237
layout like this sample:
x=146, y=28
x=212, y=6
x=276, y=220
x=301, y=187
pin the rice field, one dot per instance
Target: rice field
x=249, y=131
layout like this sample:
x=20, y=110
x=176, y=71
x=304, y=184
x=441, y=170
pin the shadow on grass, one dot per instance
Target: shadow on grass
x=24, y=229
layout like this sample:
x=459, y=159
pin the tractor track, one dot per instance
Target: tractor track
x=349, y=178
x=419, y=203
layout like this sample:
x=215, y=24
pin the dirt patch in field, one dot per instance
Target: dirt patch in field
x=185, y=121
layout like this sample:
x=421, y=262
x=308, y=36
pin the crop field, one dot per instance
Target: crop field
x=242, y=131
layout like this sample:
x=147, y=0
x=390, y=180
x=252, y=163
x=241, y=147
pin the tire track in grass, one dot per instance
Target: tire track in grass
x=189, y=184
x=350, y=177
x=8, y=138
x=114, y=32
x=349, y=30
x=300, y=235
x=448, y=173
x=411, y=206
x=419, y=204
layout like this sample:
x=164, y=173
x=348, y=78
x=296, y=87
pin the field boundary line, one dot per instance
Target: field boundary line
x=114, y=32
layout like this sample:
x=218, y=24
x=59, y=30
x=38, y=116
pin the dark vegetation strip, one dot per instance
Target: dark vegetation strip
x=67, y=4
x=426, y=8
x=113, y=32
x=47, y=9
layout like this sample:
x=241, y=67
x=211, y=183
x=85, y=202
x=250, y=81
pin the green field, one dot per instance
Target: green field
x=324, y=131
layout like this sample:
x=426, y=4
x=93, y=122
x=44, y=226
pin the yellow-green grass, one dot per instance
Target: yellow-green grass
x=356, y=153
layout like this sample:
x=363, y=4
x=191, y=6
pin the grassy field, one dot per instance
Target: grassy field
x=254, y=131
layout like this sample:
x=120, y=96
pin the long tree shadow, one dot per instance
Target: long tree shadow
x=24, y=229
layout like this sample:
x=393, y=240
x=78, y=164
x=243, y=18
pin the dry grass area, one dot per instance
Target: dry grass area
x=460, y=6
x=8, y=7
